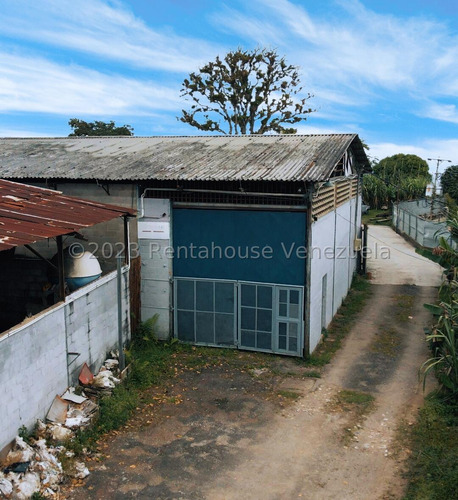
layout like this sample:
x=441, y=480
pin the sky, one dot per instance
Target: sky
x=387, y=70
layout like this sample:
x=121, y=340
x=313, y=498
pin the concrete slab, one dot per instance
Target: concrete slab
x=393, y=261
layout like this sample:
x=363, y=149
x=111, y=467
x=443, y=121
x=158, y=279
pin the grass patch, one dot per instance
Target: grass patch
x=404, y=307
x=311, y=374
x=349, y=399
x=292, y=395
x=433, y=463
x=356, y=405
x=342, y=322
x=370, y=217
x=426, y=252
x=153, y=363
x=386, y=342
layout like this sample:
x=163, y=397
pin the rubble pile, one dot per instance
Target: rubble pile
x=36, y=465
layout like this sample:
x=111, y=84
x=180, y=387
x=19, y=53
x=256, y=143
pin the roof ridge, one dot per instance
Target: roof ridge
x=127, y=137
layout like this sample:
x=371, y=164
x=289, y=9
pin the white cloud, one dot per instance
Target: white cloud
x=37, y=85
x=443, y=112
x=353, y=55
x=428, y=148
x=108, y=31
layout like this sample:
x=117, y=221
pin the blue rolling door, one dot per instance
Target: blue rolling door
x=239, y=278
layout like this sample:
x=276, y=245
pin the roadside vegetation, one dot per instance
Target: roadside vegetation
x=342, y=323
x=433, y=467
x=396, y=178
x=154, y=363
x=377, y=216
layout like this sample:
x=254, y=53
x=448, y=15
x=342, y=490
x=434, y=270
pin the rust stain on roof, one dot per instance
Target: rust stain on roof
x=29, y=214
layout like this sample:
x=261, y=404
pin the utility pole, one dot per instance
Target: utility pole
x=433, y=198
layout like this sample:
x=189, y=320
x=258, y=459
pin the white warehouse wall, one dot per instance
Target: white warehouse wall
x=332, y=253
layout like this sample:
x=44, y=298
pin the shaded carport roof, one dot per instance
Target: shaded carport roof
x=29, y=214
x=304, y=158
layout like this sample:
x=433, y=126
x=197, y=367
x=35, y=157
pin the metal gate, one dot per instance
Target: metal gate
x=252, y=316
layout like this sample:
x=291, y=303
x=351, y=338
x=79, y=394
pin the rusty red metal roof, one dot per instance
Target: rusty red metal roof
x=30, y=213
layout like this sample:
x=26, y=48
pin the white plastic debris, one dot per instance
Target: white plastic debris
x=105, y=380
x=59, y=433
x=80, y=470
x=47, y=454
x=74, y=398
x=75, y=422
x=26, y=485
x=21, y=452
x=111, y=364
x=40, y=429
x=6, y=488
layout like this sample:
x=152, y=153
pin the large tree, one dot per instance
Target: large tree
x=97, y=128
x=397, y=167
x=449, y=182
x=398, y=177
x=246, y=92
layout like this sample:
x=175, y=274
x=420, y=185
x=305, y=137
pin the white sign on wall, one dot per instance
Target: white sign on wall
x=153, y=230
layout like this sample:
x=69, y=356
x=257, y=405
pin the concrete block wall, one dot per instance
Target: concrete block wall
x=34, y=365
x=92, y=323
x=33, y=369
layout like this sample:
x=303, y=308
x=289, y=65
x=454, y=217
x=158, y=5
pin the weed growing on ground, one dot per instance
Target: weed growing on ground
x=357, y=405
x=289, y=394
x=386, y=342
x=342, y=322
x=154, y=362
x=425, y=252
x=433, y=463
x=404, y=307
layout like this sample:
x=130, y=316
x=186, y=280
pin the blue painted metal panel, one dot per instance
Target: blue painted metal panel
x=243, y=245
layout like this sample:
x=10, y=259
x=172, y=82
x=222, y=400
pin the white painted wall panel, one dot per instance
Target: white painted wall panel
x=337, y=228
x=322, y=263
x=156, y=272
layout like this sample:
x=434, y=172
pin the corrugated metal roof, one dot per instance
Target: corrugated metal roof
x=219, y=158
x=29, y=214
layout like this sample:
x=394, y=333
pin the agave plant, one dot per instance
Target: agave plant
x=443, y=340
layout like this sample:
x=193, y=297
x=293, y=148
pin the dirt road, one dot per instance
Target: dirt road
x=230, y=437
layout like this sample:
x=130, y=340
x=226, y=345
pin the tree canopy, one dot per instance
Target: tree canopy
x=449, y=182
x=246, y=92
x=97, y=128
x=397, y=167
x=398, y=177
